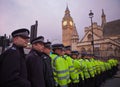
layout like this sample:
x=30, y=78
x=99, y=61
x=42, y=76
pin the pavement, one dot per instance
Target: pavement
x=114, y=81
x=118, y=72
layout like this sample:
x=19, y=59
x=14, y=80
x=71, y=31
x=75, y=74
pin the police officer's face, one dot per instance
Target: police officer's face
x=47, y=50
x=20, y=41
x=68, y=52
x=74, y=56
x=63, y=52
x=58, y=51
x=40, y=47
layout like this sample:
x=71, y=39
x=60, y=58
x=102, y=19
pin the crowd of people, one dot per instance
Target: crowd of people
x=50, y=65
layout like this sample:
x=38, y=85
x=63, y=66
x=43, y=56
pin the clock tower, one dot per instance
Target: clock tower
x=67, y=28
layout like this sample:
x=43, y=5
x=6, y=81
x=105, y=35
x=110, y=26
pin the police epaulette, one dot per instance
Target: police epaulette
x=45, y=57
x=35, y=54
x=13, y=48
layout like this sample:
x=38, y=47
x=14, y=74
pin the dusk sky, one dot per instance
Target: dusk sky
x=15, y=14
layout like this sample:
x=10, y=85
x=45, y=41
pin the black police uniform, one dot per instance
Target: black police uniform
x=39, y=67
x=13, y=71
x=35, y=69
x=48, y=72
x=49, y=79
x=39, y=71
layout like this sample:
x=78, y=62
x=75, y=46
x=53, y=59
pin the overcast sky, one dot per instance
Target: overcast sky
x=15, y=14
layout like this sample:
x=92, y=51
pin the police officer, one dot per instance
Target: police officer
x=85, y=64
x=74, y=54
x=35, y=64
x=49, y=79
x=47, y=48
x=76, y=63
x=60, y=66
x=13, y=71
x=74, y=76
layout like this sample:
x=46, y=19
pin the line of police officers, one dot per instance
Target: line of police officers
x=50, y=65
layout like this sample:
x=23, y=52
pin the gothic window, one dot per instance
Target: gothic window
x=89, y=37
x=109, y=48
x=118, y=40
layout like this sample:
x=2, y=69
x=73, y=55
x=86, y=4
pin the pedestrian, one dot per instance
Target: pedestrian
x=13, y=72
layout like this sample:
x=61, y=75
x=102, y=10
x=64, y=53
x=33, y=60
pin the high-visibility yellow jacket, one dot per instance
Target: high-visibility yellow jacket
x=73, y=72
x=81, y=69
x=98, y=68
x=90, y=68
x=60, y=70
x=85, y=69
x=92, y=60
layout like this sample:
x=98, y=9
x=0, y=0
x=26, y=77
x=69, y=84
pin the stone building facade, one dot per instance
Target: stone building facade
x=106, y=36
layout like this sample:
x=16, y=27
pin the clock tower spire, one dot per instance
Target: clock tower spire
x=67, y=28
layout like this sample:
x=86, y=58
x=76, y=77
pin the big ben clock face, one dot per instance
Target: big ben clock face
x=71, y=23
x=64, y=23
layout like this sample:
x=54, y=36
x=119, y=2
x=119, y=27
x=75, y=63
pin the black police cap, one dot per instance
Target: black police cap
x=39, y=39
x=75, y=53
x=67, y=47
x=57, y=46
x=23, y=32
x=47, y=44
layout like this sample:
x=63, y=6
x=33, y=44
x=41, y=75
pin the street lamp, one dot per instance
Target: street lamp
x=91, y=16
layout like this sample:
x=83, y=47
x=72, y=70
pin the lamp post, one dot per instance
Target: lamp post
x=92, y=42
